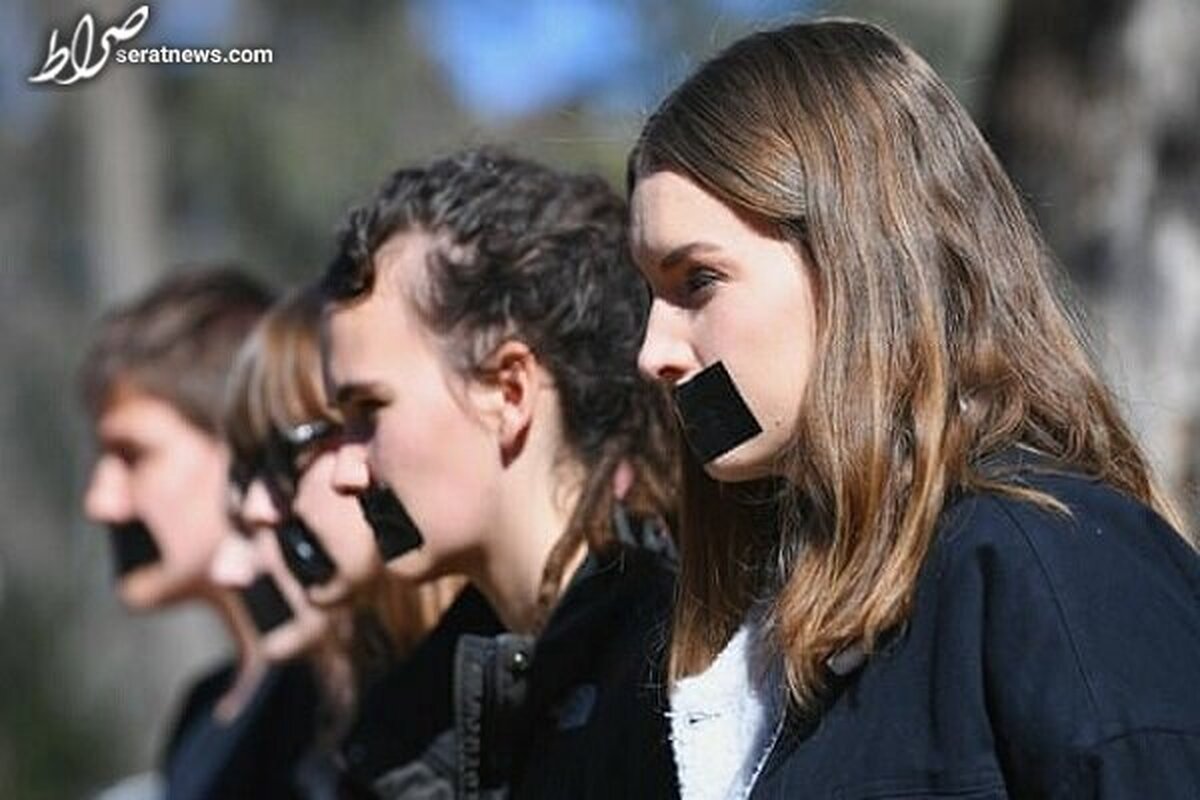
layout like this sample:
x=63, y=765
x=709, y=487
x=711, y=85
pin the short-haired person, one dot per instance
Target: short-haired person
x=921, y=553
x=482, y=344
x=339, y=614
x=154, y=382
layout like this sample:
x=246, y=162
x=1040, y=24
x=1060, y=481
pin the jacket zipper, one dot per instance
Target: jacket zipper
x=765, y=757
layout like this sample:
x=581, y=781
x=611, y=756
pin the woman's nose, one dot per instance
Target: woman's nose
x=258, y=508
x=350, y=473
x=107, y=500
x=666, y=354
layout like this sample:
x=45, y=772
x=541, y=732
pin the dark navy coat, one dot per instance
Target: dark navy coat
x=596, y=722
x=1046, y=657
x=578, y=712
x=390, y=750
x=265, y=751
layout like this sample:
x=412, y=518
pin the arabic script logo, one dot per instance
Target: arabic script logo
x=78, y=58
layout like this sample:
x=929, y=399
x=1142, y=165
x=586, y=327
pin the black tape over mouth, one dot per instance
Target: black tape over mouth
x=266, y=604
x=305, y=556
x=132, y=547
x=395, y=532
x=715, y=417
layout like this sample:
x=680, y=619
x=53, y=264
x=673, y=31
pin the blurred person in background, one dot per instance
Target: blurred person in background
x=482, y=340
x=271, y=747
x=153, y=383
x=340, y=620
x=921, y=553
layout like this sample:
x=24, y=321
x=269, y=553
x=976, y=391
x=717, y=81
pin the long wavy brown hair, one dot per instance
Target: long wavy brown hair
x=944, y=337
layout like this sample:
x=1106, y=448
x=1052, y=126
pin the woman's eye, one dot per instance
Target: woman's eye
x=360, y=420
x=699, y=279
x=129, y=455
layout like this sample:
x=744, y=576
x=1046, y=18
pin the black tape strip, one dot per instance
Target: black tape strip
x=302, y=551
x=395, y=531
x=715, y=417
x=268, y=609
x=132, y=547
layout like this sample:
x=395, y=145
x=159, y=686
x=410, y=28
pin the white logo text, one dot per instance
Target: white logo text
x=78, y=57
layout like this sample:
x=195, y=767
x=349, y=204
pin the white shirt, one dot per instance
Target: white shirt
x=725, y=719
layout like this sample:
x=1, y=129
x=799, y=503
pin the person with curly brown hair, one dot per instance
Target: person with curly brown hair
x=482, y=343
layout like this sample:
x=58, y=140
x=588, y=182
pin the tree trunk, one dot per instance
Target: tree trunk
x=1095, y=110
x=122, y=182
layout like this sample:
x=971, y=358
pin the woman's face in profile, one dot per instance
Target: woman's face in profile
x=337, y=520
x=413, y=425
x=157, y=468
x=725, y=290
x=254, y=551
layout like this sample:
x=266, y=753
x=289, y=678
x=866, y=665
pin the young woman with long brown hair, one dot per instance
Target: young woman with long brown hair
x=922, y=554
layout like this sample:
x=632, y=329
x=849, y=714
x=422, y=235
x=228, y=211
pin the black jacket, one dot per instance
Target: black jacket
x=263, y=752
x=577, y=713
x=1046, y=657
x=392, y=749
x=595, y=709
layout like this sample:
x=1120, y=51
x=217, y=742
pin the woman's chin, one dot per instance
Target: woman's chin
x=414, y=566
x=330, y=595
x=739, y=465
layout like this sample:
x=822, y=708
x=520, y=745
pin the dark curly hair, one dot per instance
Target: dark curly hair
x=523, y=251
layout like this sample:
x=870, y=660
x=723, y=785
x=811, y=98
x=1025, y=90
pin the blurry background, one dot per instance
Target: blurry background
x=1094, y=106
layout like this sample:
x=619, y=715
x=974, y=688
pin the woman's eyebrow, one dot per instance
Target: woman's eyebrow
x=683, y=254
x=118, y=442
x=351, y=393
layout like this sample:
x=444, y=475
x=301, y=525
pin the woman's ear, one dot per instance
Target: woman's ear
x=512, y=382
